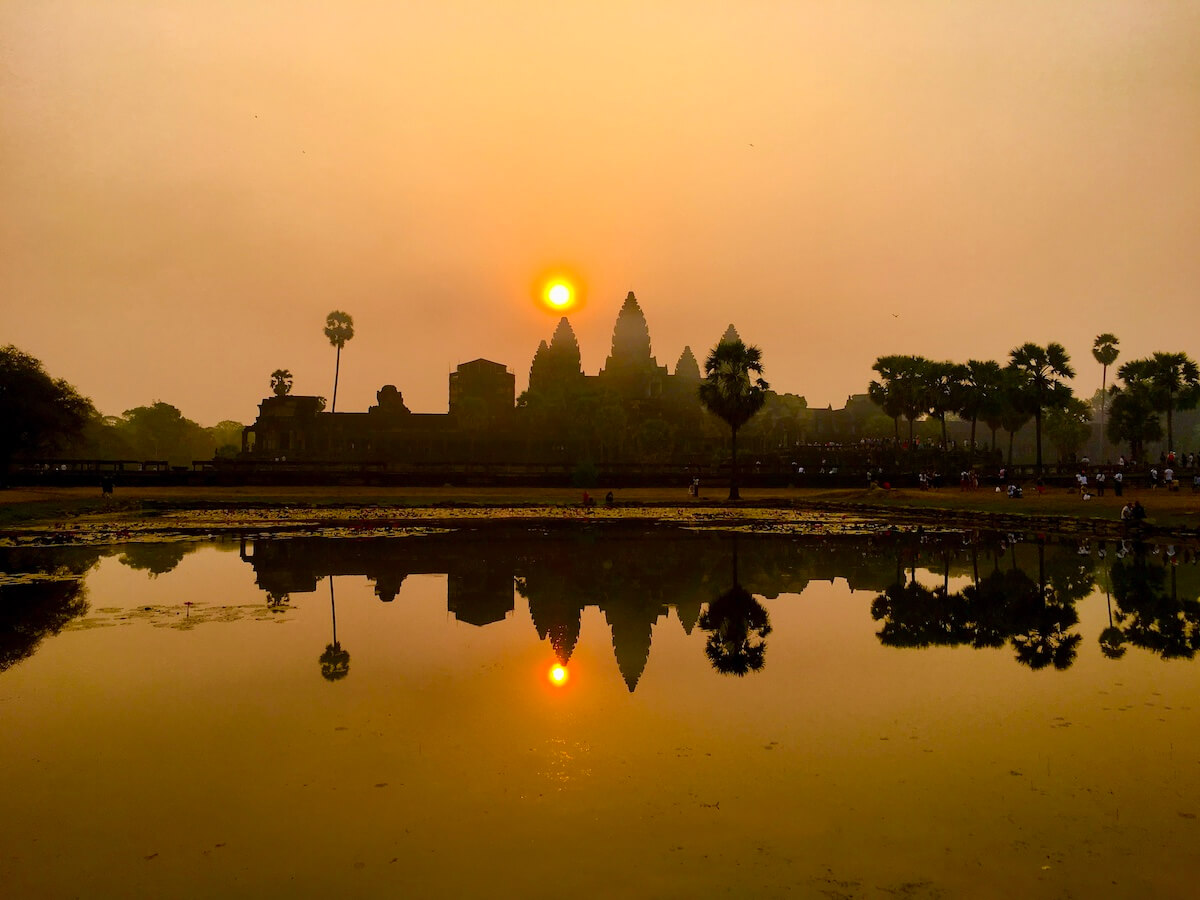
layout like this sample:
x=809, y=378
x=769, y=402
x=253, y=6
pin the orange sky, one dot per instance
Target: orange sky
x=187, y=188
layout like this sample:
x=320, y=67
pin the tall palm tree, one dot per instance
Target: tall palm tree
x=339, y=328
x=1040, y=372
x=1104, y=349
x=944, y=387
x=980, y=397
x=1176, y=380
x=904, y=386
x=883, y=396
x=729, y=391
x=281, y=382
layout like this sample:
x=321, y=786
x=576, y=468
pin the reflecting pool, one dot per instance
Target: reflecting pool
x=601, y=711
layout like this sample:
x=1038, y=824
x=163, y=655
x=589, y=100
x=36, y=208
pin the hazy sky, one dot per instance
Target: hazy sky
x=187, y=188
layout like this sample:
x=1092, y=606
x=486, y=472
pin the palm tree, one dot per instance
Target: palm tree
x=1104, y=349
x=281, y=382
x=981, y=382
x=729, y=392
x=339, y=328
x=888, y=400
x=1040, y=372
x=944, y=387
x=902, y=383
x=1176, y=380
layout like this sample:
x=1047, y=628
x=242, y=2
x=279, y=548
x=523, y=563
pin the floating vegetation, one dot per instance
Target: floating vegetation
x=182, y=617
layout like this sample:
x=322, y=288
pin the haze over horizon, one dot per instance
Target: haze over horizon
x=186, y=190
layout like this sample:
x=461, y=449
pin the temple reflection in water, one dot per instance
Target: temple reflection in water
x=1010, y=591
x=981, y=591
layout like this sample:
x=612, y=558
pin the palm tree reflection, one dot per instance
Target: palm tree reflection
x=1151, y=616
x=1003, y=606
x=1112, y=639
x=737, y=627
x=335, y=662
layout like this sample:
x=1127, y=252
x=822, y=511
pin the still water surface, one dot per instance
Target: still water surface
x=896, y=716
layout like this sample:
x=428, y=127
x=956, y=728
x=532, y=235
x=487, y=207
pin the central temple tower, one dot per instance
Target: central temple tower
x=630, y=369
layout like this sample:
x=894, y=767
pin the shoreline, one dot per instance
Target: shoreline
x=34, y=517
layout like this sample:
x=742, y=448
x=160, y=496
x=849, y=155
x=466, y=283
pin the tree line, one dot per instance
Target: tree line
x=1032, y=385
x=43, y=416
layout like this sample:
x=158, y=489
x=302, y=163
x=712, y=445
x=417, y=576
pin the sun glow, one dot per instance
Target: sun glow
x=558, y=295
x=558, y=675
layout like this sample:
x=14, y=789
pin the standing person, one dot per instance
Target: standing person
x=1119, y=483
x=1100, y=483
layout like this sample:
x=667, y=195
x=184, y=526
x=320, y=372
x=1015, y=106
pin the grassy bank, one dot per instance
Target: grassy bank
x=20, y=508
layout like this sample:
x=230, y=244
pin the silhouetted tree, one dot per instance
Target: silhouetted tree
x=1068, y=426
x=883, y=394
x=729, y=391
x=981, y=383
x=226, y=437
x=38, y=414
x=1105, y=351
x=1176, y=380
x=161, y=431
x=902, y=385
x=281, y=382
x=1013, y=412
x=339, y=328
x=1040, y=372
x=944, y=386
x=1134, y=411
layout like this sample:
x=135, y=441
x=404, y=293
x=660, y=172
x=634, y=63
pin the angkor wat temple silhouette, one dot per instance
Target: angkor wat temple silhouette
x=633, y=410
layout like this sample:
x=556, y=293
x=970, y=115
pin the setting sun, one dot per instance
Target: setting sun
x=559, y=295
x=558, y=675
